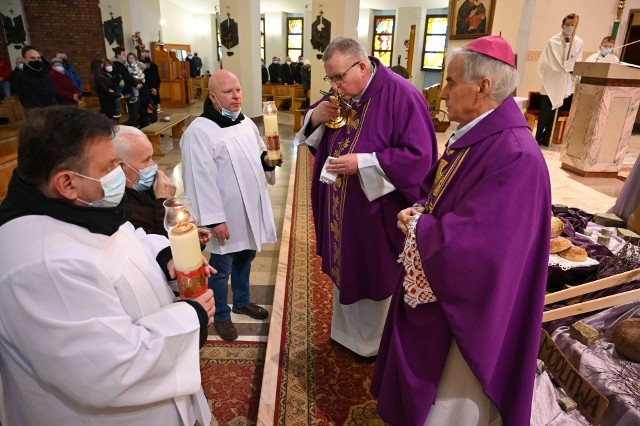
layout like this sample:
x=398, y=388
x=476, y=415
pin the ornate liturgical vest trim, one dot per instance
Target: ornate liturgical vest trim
x=343, y=142
x=416, y=287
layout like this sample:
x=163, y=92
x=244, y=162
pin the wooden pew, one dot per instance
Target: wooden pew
x=8, y=145
x=283, y=93
x=12, y=109
x=177, y=125
x=267, y=92
x=7, y=164
x=299, y=98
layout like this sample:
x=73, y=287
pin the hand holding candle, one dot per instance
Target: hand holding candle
x=270, y=116
x=180, y=221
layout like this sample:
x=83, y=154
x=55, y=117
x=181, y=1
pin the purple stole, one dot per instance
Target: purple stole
x=342, y=142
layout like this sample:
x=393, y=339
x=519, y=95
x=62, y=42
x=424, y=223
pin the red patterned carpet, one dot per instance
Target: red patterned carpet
x=231, y=379
x=320, y=382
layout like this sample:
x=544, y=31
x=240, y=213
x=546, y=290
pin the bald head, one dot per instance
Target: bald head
x=127, y=140
x=225, y=91
x=134, y=152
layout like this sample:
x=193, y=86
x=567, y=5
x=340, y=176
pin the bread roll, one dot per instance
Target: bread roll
x=557, y=227
x=558, y=244
x=575, y=254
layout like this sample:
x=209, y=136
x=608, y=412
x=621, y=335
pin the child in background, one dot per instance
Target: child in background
x=136, y=69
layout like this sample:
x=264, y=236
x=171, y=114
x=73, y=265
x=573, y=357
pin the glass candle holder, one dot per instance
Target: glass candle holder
x=270, y=116
x=181, y=223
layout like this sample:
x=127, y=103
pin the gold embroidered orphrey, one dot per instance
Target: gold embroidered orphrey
x=341, y=144
x=445, y=173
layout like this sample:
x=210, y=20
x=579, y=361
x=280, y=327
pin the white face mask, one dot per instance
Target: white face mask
x=113, y=185
x=108, y=68
x=59, y=68
x=604, y=51
x=568, y=30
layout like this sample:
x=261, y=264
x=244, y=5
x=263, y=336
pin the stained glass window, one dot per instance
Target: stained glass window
x=383, y=39
x=294, y=38
x=218, y=40
x=435, y=42
x=262, y=39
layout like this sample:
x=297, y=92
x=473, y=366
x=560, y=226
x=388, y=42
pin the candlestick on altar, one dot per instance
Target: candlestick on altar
x=180, y=221
x=270, y=116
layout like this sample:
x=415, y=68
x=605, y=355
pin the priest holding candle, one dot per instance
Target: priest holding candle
x=226, y=169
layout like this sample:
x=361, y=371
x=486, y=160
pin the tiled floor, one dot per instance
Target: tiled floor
x=590, y=194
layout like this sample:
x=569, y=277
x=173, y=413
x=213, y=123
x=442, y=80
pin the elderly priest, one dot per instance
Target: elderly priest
x=461, y=338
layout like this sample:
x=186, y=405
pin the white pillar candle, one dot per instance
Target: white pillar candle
x=270, y=125
x=185, y=247
x=270, y=116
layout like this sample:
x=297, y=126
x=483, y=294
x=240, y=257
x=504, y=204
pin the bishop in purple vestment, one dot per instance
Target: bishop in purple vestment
x=382, y=153
x=483, y=241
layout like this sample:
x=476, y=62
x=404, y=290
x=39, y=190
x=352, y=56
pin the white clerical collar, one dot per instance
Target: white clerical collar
x=373, y=72
x=461, y=131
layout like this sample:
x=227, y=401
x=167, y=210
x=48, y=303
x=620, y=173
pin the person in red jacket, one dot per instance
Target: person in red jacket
x=63, y=83
x=5, y=75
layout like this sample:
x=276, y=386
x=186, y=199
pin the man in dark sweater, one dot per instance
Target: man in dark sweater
x=35, y=89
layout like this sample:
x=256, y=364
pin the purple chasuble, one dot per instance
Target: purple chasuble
x=485, y=251
x=357, y=238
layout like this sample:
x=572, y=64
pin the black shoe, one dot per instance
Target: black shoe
x=226, y=330
x=252, y=310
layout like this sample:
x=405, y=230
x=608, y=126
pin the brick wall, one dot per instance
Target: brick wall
x=72, y=26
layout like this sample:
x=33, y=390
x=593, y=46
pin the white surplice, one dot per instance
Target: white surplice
x=89, y=333
x=223, y=175
x=555, y=70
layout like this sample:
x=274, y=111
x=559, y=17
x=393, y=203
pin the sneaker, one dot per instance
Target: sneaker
x=133, y=99
x=117, y=115
x=226, y=330
x=252, y=310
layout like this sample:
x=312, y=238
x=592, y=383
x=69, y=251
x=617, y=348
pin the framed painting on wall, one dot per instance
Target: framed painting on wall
x=470, y=18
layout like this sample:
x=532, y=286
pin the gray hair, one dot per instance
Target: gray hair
x=122, y=141
x=477, y=66
x=346, y=46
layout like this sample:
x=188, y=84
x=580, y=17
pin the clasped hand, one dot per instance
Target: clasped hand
x=407, y=215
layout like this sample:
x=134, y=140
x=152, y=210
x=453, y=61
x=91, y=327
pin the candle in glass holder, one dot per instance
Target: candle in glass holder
x=180, y=223
x=270, y=116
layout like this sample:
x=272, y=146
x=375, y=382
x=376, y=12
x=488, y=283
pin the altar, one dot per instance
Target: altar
x=605, y=104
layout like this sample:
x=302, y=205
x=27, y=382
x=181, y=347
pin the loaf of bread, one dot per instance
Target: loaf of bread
x=575, y=254
x=558, y=244
x=557, y=227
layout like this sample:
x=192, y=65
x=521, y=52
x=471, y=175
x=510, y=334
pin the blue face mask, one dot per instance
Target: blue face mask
x=147, y=177
x=225, y=112
x=113, y=184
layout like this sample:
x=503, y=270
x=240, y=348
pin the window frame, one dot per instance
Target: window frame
x=289, y=34
x=263, y=39
x=424, y=42
x=375, y=35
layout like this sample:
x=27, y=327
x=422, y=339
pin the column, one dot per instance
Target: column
x=245, y=62
x=343, y=16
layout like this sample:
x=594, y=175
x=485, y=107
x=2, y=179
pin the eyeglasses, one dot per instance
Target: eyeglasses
x=340, y=77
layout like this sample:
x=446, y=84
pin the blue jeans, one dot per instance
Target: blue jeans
x=239, y=266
